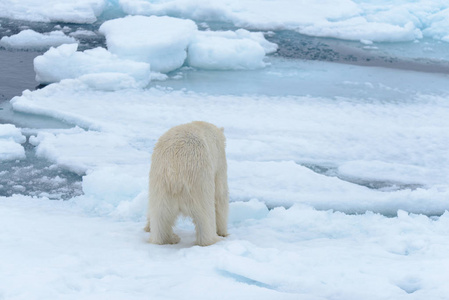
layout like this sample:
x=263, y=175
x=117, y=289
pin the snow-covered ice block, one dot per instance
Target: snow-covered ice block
x=30, y=39
x=11, y=139
x=9, y=131
x=223, y=54
x=160, y=41
x=66, y=62
x=229, y=50
x=80, y=11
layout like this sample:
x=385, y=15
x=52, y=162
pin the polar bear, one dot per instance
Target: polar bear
x=188, y=176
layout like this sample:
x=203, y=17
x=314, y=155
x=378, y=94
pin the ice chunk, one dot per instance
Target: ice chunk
x=10, y=140
x=225, y=54
x=30, y=39
x=80, y=11
x=66, y=62
x=160, y=41
x=9, y=131
x=229, y=50
x=10, y=150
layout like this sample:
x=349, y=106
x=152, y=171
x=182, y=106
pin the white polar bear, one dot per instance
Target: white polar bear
x=188, y=176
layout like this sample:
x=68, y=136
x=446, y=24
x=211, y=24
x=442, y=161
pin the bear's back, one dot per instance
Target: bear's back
x=187, y=154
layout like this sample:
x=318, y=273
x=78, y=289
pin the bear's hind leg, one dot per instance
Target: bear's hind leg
x=162, y=221
x=204, y=219
x=147, y=227
x=221, y=204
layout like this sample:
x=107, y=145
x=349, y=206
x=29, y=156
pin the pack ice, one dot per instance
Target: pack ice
x=352, y=20
x=338, y=177
x=138, y=44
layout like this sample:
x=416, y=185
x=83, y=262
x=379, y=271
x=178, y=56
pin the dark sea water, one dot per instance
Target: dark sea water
x=31, y=176
x=298, y=46
x=17, y=73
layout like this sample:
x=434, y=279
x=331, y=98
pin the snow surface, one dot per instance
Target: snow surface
x=11, y=139
x=296, y=253
x=31, y=40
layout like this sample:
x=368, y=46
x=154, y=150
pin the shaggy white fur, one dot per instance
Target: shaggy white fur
x=188, y=176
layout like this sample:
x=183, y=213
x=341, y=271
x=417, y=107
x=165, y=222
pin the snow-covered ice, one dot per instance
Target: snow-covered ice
x=11, y=139
x=273, y=142
x=160, y=41
x=338, y=173
x=96, y=67
x=165, y=43
x=354, y=20
x=30, y=39
x=298, y=253
x=228, y=50
x=82, y=11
